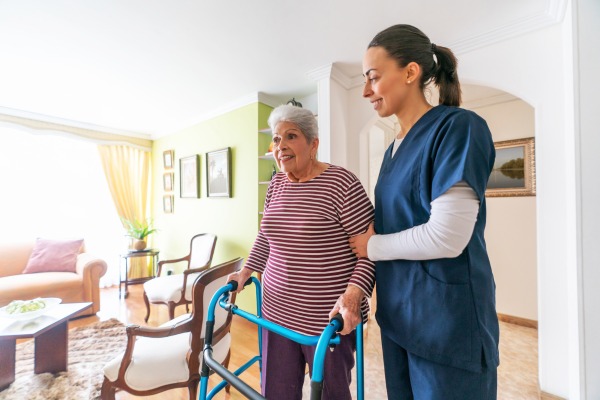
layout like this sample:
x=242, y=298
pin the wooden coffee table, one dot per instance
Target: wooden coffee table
x=50, y=332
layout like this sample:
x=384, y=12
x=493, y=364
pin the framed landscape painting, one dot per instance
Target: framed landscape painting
x=513, y=173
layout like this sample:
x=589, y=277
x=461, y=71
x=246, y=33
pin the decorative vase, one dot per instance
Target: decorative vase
x=139, y=245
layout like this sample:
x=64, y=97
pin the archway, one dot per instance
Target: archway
x=511, y=230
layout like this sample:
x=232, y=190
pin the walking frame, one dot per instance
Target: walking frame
x=328, y=338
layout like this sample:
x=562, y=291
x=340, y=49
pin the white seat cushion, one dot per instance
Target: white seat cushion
x=168, y=288
x=157, y=362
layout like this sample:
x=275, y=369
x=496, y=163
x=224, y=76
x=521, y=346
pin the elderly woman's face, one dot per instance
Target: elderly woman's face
x=292, y=150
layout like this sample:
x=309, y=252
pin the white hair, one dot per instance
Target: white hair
x=301, y=117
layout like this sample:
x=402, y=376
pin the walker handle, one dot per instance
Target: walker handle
x=234, y=284
x=339, y=322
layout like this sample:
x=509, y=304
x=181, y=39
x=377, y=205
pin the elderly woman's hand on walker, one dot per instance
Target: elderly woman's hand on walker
x=359, y=243
x=240, y=277
x=348, y=305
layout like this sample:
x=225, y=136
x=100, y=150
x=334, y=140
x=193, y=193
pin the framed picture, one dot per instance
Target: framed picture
x=168, y=181
x=218, y=173
x=168, y=204
x=189, y=168
x=514, y=169
x=168, y=159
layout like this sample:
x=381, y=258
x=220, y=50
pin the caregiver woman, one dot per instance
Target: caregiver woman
x=435, y=288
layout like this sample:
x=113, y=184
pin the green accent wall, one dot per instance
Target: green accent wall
x=233, y=220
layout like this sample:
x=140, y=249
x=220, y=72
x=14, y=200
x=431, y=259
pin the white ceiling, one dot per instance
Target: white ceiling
x=155, y=66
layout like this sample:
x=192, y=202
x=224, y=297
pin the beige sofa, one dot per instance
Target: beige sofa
x=81, y=286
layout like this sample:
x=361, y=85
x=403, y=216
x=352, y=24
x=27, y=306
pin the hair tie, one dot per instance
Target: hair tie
x=433, y=47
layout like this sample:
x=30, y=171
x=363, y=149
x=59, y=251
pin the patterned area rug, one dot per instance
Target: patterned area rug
x=90, y=347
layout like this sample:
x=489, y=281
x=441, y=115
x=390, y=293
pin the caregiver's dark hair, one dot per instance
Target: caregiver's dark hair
x=406, y=44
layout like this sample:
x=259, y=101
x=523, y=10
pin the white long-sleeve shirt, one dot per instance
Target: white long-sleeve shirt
x=445, y=235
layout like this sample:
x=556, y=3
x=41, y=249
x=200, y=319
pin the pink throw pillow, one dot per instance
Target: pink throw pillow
x=53, y=256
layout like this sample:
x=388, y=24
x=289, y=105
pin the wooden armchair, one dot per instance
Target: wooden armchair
x=170, y=356
x=175, y=290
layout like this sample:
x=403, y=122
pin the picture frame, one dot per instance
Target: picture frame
x=189, y=173
x=168, y=178
x=513, y=173
x=168, y=204
x=218, y=173
x=168, y=159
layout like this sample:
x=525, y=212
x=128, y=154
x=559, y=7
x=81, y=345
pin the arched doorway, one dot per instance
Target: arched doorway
x=511, y=230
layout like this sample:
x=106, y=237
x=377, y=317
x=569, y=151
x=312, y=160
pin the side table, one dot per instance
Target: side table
x=148, y=253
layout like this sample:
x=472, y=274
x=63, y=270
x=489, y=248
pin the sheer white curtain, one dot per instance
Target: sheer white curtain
x=53, y=187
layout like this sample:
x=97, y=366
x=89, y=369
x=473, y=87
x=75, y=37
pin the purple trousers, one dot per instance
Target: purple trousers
x=284, y=363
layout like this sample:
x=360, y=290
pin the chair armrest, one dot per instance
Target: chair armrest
x=175, y=260
x=166, y=331
x=195, y=270
x=135, y=330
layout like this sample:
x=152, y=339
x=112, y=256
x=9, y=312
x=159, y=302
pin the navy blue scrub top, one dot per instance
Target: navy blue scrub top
x=441, y=309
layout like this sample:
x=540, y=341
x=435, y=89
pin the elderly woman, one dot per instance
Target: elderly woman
x=309, y=271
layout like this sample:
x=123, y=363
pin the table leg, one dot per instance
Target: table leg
x=126, y=278
x=8, y=349
x=51, y=350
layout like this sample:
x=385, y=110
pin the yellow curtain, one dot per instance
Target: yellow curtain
x=127, y=171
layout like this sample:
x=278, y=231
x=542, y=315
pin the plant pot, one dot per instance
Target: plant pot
x=139, y=245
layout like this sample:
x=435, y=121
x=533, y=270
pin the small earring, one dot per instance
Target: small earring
x=408, y=82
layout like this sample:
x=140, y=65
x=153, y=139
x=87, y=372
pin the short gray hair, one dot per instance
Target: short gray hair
x=301, y=117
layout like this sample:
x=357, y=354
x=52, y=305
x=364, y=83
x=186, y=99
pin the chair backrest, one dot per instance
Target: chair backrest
x=205, y=287
x=202, y=248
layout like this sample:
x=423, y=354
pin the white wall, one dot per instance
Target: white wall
x=587, y=119
x=528, y=67
x=531, y=79
x=511, y=222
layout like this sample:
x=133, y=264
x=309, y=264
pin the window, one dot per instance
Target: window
x=53, y=186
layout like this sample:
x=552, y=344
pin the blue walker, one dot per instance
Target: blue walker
x=328, y=338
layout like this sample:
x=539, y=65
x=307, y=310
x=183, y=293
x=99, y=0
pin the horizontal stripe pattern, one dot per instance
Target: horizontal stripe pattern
x=302, y=248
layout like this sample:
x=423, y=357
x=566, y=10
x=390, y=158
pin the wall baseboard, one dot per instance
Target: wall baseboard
x=548, y=396
x=528, y=323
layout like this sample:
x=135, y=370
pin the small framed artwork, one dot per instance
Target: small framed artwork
x=189, y=168
x=514, y=169
x=168, y=159
x=168, y=204
x=218, y=173
x=168, y=181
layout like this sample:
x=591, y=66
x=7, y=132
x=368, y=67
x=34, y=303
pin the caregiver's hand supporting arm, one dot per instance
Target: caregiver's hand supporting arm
x=359, y=243
x=445, y=235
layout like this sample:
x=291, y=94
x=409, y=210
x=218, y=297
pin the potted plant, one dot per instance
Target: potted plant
x=138, y=231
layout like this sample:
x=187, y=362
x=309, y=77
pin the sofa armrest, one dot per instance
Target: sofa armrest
x=91, y=270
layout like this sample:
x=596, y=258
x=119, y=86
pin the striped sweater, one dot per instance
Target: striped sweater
x=302, y=248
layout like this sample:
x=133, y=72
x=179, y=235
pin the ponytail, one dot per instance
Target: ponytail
x=406, y=44
x=445, y=77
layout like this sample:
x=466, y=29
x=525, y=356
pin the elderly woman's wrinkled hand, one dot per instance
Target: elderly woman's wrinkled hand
x=359, y=243
x=240, y=277
x=348, y=305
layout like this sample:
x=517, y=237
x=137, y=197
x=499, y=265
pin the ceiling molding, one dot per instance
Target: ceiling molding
x=270, y=100
x=26, y=118
x=319, y=73
x=553, y=13
x=489, y=101
x=38, y=125
x=331, y=71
